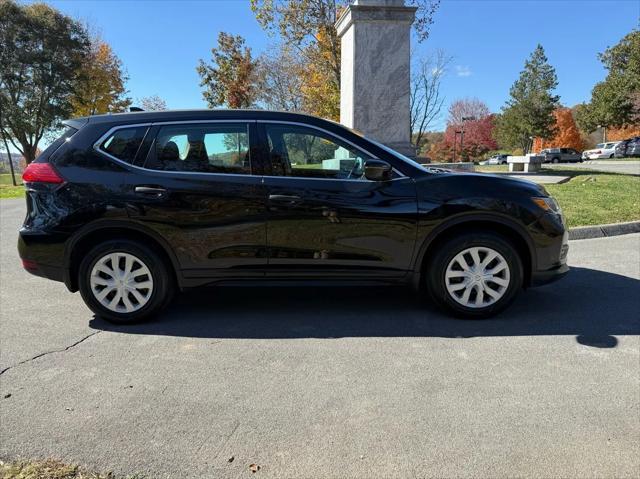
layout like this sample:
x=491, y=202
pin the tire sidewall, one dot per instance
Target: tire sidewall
x=435, y=274
x=160, y=276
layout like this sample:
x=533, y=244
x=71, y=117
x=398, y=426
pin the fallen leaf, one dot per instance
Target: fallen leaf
x=8, y=395
x=254, y=468
x=230, y=459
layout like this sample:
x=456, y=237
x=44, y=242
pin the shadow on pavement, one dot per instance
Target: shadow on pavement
x=593, y=305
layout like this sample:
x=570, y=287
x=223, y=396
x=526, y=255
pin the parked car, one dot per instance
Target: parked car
x=500, y=159
x=602, y=150
x=561, y=155
x=621, y=148
x=633, y=148
x=128, y=208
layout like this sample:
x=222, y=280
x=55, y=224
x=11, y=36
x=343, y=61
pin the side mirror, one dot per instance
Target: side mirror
x=377, y=170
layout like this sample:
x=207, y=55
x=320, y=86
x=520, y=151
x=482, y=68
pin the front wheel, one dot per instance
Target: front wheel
x=555, y=160
x=474, y=275
x=124, y=281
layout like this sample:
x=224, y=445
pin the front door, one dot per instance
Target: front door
x=324, y=217
x=200, y=191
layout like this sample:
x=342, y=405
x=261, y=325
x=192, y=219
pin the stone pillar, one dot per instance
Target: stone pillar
x=375, y=38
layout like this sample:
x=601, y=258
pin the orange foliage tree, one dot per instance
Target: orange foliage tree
x=567, y=133
x=615, y=134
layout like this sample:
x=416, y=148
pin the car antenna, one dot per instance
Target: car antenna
x=135, y=108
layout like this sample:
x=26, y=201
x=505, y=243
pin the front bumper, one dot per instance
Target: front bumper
x=539, y=278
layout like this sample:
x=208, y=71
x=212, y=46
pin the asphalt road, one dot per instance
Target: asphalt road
x=627, y=167
x=309, y=382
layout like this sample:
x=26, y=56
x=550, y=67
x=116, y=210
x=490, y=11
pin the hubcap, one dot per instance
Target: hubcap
x=477, y=277
x=121, y=282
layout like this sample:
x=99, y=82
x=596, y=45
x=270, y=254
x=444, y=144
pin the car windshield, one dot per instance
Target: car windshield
x=400, y=156
x=600, y=145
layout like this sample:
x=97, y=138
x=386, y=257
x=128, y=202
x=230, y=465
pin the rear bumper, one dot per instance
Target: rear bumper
x=42, y=254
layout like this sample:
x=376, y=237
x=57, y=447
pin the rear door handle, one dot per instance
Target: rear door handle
x=151, y=191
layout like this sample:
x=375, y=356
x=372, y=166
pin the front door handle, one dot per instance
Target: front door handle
x=291, y=199
x=151, y=191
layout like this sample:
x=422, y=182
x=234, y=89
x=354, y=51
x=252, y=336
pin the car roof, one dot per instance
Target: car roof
x=203, y=114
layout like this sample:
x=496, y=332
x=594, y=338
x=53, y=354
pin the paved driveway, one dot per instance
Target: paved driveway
x=310, y=382
x=629, y=167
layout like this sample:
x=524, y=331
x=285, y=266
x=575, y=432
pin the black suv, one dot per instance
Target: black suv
x=128, y=208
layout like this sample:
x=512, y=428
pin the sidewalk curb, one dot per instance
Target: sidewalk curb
x=602, y=231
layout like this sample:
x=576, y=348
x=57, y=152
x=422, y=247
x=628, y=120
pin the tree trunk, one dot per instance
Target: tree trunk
x=30, y=153
x=13, y=173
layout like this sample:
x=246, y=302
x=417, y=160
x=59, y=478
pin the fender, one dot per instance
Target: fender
x=106, y=224
x=472, y=217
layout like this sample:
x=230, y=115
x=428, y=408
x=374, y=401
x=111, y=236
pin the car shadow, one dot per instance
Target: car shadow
x=593, y=305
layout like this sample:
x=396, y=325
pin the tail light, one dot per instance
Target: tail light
x=41, y=173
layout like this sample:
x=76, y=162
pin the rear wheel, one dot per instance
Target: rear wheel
x=474, y=275
x=124, y=281
x=555, y=160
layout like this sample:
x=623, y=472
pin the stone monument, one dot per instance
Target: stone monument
x=375, y=40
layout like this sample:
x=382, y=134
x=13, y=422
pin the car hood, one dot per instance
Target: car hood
x=479, y=184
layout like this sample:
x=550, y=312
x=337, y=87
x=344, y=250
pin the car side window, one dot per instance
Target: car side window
x=124, y=143
x=309, y=153
x=203, y=148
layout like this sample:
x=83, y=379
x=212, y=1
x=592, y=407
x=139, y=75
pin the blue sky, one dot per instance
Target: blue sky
x=160, y=42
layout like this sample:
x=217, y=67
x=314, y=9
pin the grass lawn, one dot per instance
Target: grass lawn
x=7, y=190
x=48, y=469
x=593, y=198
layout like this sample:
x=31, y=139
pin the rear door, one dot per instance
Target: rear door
x=324, y=218
x=201, y=190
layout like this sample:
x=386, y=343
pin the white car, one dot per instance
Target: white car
x=602, y=150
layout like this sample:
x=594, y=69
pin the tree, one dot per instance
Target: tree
x=478, y=138
x=567, y=133
x=153, y=103
x=529, y=111
x=231, y=78
x=101, y=83
x=469, y=108
x=41, y=53
x=308, y=26
x=282, y=75
x=615, y=102
x=425, y=99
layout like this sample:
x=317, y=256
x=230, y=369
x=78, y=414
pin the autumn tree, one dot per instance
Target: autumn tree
x=41, y=53
x=231, y=78
x=425, y=99
x=615, y=102
x=101, y=83
x=529, y=111
x=282, y=74
x=308, y=27
x=567, y=134
x=153, y=103
x=466, y=109
x=471, y=139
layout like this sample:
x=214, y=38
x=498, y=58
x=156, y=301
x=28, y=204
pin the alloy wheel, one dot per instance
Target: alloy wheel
x=477, y=277
x=121, y=282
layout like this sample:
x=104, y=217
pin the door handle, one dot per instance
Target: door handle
x=285, y=198
x=151, y=191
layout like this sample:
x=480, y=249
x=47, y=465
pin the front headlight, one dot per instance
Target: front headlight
x=547, y=203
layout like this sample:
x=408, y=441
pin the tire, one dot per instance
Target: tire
x=446, y=260
x=611, y=156
x=555, y=160
x=142, y=302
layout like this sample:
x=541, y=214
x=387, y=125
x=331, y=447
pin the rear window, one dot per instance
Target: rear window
x=124, y=143
x=48, y=151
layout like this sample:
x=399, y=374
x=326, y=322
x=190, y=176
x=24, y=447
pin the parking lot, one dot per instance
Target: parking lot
x=329, y=382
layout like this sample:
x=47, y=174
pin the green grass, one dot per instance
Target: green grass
x=593, y=198
x=7, y=190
